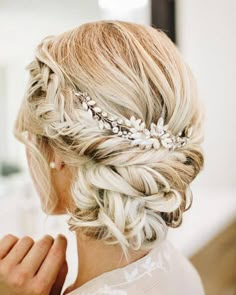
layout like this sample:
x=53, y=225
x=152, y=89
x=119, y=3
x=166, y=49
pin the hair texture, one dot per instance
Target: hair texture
x=123, y=195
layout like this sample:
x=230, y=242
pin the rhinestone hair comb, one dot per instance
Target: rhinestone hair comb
x=134, y=129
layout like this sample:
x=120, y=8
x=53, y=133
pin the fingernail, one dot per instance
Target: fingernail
x=61, y=236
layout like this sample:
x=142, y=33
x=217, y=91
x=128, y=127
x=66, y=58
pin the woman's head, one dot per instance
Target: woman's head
x=113, y=191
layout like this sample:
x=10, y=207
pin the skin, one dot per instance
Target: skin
x=40, y=267
x=25, y=265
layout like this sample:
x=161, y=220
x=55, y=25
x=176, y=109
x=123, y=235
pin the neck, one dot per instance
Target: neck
x=95, y=258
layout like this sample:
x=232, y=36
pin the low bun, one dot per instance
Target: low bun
x=135, y=201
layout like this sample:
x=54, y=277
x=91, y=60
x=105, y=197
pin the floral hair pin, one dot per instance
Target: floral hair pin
x=134, y=129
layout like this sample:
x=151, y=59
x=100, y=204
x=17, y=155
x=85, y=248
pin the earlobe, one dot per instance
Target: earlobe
x=59, y=164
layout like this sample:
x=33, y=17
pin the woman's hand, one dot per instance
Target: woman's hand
x=28, y=267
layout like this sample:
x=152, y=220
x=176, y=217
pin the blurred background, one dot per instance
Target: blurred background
x=204, y=31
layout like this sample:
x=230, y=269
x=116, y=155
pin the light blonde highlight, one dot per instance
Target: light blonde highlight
x=123, y=195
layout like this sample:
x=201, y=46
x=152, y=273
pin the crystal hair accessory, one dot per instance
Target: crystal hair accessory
x=134, y=129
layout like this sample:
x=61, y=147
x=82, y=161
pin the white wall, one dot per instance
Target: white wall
x=206, y=32
x=206, y=37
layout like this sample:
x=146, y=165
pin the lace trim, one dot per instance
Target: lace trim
x=150, y=263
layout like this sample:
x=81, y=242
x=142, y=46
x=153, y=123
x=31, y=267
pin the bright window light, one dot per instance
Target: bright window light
x=121, y=4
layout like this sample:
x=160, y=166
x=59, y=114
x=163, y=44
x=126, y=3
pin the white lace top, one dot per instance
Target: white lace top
x=164, y=270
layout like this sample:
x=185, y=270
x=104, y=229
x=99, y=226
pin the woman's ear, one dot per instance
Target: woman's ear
x=59, y=164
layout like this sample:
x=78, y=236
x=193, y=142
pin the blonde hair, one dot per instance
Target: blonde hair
x=122, y=194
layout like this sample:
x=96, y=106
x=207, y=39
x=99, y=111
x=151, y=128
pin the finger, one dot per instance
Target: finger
x=19, y=250
x=6, y=244
x=37, y=254
x=51, y=266
x=58, y=285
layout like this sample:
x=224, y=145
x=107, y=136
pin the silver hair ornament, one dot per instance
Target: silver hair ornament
x=134, y=129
